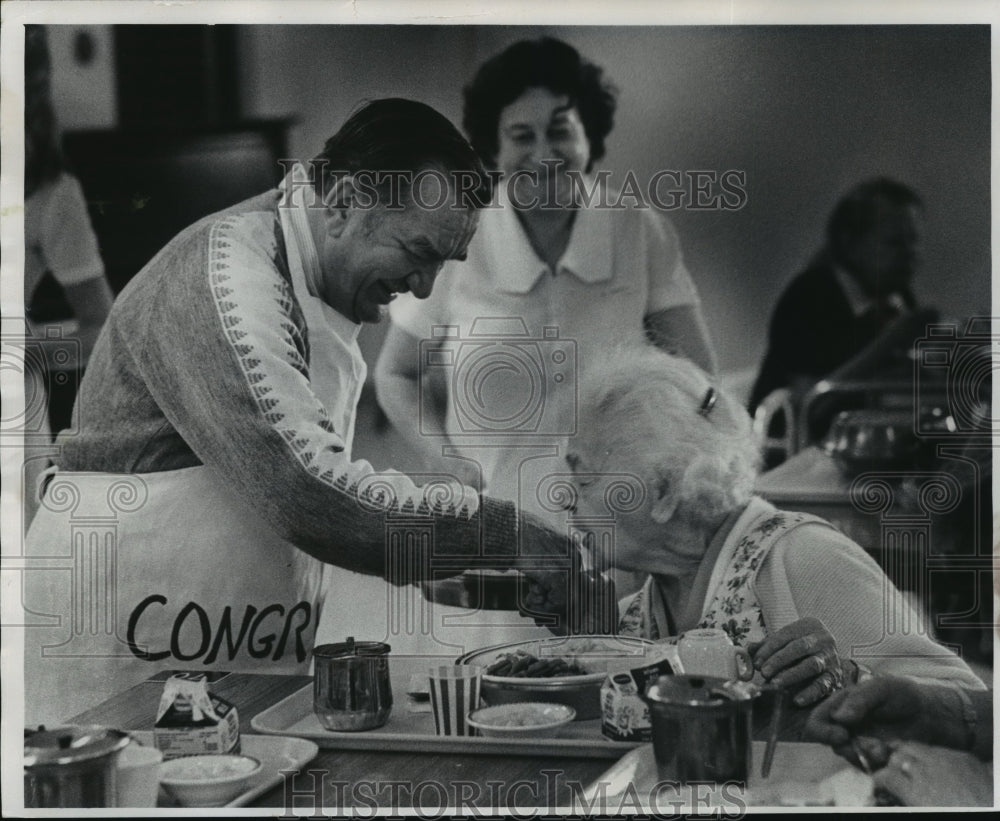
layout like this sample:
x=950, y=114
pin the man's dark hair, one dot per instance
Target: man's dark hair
x=396, y=134
x=544, y=63
x=859, y=211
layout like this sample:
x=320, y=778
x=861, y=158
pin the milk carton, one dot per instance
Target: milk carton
x=193, y=721
x=624, y=715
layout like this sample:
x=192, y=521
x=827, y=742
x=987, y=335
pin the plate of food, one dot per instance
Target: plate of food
x=562, y=669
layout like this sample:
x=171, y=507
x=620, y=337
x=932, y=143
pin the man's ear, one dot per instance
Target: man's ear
x=337, y=205
x=666, y=495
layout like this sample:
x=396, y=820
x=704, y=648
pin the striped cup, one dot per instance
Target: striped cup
x=454, y=694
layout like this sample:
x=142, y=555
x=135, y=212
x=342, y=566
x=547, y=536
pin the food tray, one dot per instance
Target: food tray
x=598, y=654
x=802, y=774
x=409, y=730
x=274, y=754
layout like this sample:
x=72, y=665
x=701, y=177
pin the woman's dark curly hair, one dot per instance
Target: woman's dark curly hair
x=543, y=63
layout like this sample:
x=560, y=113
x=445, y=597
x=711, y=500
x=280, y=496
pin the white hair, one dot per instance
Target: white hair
x=643, y=407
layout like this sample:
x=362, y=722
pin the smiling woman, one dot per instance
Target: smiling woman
x=549, y=256
x=574, y=279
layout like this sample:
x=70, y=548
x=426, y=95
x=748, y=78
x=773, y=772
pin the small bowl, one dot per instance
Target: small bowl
x=207, y=780
x=521, y=720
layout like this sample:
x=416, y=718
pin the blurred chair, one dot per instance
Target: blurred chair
x=775, y=427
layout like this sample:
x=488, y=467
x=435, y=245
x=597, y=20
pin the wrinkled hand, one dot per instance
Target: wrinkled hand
x=882, y=709
x=574, y=604
x=924, y=776
x=561, y=595
x=803, y=652
x=543, y=599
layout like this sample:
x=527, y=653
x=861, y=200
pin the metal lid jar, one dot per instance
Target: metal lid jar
x=701, y=730
x=351, y=688
x=72, y=766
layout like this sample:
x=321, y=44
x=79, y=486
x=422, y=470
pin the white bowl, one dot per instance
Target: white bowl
x=207, y=780
x=520, y=720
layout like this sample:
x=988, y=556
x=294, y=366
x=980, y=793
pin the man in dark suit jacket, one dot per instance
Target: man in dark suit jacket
x=854, y=300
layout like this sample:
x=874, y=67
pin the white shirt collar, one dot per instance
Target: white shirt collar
x=857, y=299
x=296, y=223
x=587, y=257
x=298, y=235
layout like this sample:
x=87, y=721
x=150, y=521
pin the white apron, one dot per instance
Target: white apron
x=171, y=570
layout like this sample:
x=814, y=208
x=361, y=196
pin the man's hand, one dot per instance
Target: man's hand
x=574, y=603
x=866, y=718
x=801, y=653
x=561, y=595
x=887, y=708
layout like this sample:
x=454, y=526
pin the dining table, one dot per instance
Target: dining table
x=595, y=776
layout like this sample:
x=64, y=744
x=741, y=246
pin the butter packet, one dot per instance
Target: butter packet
x=193, y=721
x=624, y=715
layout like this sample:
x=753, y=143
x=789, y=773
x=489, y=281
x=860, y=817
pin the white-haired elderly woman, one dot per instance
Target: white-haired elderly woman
x=798, y=594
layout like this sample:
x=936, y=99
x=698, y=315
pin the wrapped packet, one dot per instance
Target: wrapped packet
x=624, y=714
x=193, y=721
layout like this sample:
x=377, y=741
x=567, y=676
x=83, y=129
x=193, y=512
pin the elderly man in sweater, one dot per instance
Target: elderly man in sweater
x=216, y=422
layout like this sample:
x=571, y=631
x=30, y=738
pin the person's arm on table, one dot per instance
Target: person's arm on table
x=890, y=707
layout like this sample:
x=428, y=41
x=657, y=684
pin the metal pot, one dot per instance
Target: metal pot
x=703, y=728
x=351, y=688
x=868, y=440
x=72, y=766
